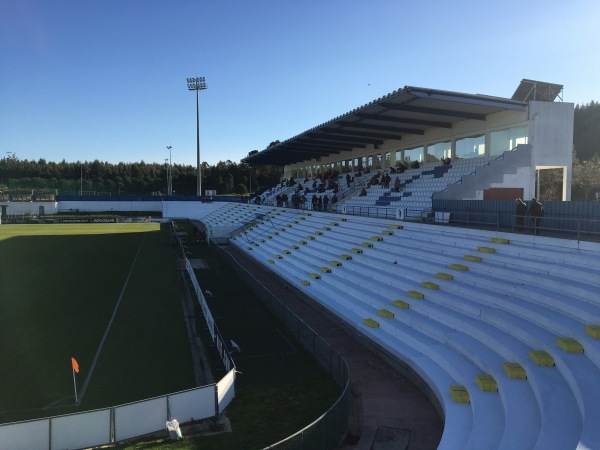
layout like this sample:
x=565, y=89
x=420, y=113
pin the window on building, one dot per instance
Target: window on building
x=414, y=154
x=438, y=151
x=470, y=147
x=398, y=155
x=506, y=140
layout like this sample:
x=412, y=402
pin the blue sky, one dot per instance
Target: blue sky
x=106, y=79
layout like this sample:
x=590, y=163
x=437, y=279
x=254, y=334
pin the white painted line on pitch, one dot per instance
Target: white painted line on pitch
x=95, y=360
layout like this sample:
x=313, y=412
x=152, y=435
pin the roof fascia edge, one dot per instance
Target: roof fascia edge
x=473, y=99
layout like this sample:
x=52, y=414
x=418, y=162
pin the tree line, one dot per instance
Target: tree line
x=227, y=177
x=98, y=177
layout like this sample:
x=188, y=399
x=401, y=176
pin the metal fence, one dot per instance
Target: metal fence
x=572, y=220
x=329, y=430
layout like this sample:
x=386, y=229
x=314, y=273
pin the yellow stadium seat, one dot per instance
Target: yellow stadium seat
x=541, y=358
x=514, y=370
x=444, y=276
x=371, y=323
x=401, y=304
x=385, y=313
x=593, y=331
x=486, y=382
x=569, y=345
x=460, y=394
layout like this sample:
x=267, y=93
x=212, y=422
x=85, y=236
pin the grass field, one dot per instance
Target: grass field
x=59, y=287
x=281, y=388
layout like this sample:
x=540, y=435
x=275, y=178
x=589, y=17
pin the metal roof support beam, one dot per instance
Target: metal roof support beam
x=434, y=111
x=384, y=128
x=345, y=140
x=317, y=137
x=344, y=132
x=405, y=120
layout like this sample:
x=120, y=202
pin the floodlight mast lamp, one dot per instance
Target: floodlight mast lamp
x=197, y=84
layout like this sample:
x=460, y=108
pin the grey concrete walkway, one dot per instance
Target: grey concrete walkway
x=385, y=402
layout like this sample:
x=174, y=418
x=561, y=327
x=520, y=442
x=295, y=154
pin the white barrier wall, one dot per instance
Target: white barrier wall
x=188, y=406
x=225, y=390
x=29, y=208
x=80, y=430
x=30, y=435
x=65, y=206
x=140, y=418
x=92, y=428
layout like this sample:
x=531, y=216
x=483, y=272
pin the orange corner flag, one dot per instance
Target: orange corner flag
x=75, y=365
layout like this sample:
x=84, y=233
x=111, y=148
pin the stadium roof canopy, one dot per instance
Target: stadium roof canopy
x=410, y=110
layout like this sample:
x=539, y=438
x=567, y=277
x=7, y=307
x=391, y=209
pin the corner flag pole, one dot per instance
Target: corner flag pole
x=75, y=368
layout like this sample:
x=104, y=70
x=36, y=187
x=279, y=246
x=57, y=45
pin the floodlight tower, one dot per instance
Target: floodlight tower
x=197, y=84
x=170, y=174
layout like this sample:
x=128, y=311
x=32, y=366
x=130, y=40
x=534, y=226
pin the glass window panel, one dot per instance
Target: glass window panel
x=438, y=151
x=506, y=140
x=471, y=147
x=414, y=154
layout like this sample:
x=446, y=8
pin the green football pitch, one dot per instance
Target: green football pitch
x=106, y=294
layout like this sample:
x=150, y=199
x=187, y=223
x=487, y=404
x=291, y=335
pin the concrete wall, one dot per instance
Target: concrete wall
x=551, y=139
x=28, y=208
x=101, y=206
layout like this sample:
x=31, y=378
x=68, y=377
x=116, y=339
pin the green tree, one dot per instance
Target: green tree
x=586, y=176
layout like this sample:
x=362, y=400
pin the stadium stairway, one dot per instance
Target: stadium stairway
x=495, y=307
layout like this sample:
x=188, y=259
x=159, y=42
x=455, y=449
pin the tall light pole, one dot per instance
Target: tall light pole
x=167, y=167
x=170, y=174
x=197, y=84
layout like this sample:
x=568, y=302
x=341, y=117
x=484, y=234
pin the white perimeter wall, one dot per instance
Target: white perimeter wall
x=27, y=208
x=93, y=206
x=93, y=428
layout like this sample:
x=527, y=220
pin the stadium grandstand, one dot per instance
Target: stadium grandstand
x=438, y=144
x=502, y=327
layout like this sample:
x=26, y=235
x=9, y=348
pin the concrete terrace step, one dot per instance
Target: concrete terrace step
x=520, y=298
